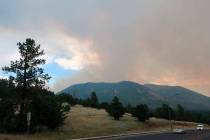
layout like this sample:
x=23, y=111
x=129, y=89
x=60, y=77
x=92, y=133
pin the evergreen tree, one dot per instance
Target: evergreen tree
x=7, y=89
x=27, y=83
x=27, y=70
x=63, y=97
x=116, y=109
x=94, y=100
x=7, y=116
x=104, y=105
x=28, y=74
x=129, y=108
x=165, y=112
x=141, y=112
x=179, y=113
x=46, y=111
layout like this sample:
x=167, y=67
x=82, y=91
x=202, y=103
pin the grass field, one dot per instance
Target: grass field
x=88, y=122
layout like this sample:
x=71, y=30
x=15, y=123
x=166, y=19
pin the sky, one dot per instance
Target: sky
x=146, y=41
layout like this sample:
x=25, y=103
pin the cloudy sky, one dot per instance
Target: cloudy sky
x=146, y=41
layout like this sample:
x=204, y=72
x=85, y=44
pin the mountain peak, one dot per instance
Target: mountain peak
x=128, y=82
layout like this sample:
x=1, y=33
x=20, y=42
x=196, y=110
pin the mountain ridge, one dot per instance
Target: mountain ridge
x=135, y=93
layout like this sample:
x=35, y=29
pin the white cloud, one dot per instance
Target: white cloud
x=67, y=51
x=78, y=53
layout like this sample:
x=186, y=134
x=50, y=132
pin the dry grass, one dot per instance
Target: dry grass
x=88, y=122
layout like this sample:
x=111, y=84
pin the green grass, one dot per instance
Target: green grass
x=88, y=122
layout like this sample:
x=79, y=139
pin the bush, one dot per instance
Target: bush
x=141, y=112
x=46, y=111
x=165, y=112
x=104, y=105
x=63, y=97
x=116, y=109
x=8, y=119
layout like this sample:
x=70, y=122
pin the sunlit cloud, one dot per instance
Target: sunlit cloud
x=67, y=51
x=79, y=54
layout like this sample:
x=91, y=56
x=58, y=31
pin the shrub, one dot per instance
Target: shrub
x=116, y=109
x=141, y=112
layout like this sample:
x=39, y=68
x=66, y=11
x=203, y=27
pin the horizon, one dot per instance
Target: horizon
x=91, y=41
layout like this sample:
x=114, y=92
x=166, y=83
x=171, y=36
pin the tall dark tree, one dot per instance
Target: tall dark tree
x=27, y=75
x=165, y=112
x=27, y=69
x=180, y=113
x=116, y=109
x=94, y=100
x=141, y=112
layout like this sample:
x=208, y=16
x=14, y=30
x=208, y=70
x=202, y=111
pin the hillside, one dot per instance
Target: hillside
x=134, y=93
x=127, y=92
x=176, y=94
x=86, y=122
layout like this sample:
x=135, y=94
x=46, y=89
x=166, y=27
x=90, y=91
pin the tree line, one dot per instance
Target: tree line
x=142, y=112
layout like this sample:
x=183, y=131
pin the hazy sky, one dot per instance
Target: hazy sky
x=146, y=41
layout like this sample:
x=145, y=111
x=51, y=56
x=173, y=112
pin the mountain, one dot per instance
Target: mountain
x=134, y=93
x=179, y=95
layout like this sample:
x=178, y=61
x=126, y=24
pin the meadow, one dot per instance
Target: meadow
x=89, y=122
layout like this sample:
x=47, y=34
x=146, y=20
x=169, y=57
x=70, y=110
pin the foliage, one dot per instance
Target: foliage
x=180, y=113
x=7, y=89
x=27, y=70
x=104, y=105
x=63, y=97
x=25, y=92
x=47, y=111
x=94, y=100
x=141, y=112
x=7, y=116
x=129, y=108
x=116, y=109
x=165, y=112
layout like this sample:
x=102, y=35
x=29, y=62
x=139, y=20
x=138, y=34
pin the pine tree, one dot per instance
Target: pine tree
x=27, y=75
x=94, y=100
x=116, y=109
x=27, y=70
x=165, y=112
x=180, y=113
x=141, y=112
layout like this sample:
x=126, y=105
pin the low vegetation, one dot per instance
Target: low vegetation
x=87, y=122
x=141, y=112
x=116, y=109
